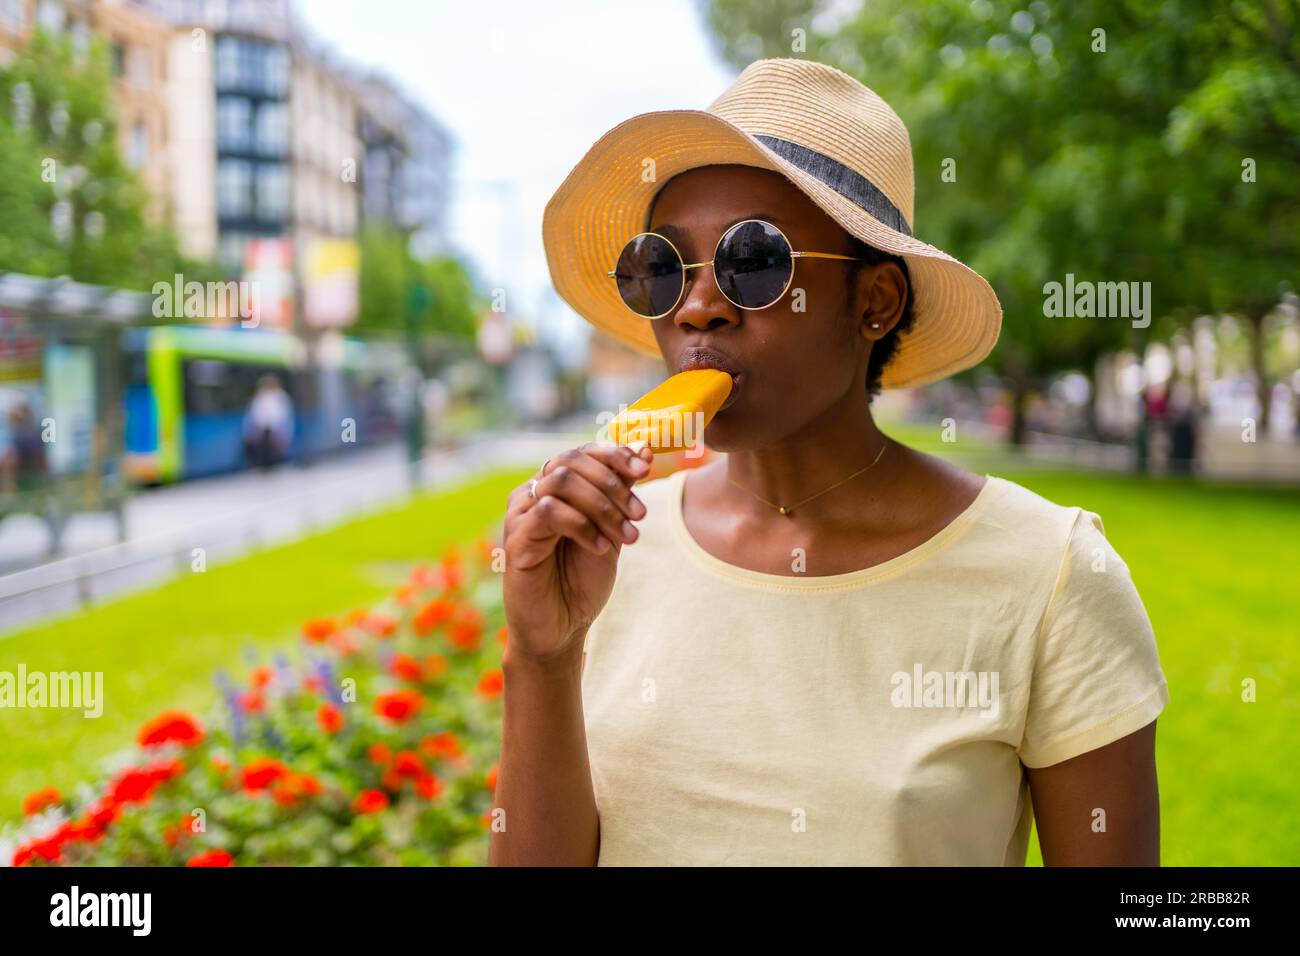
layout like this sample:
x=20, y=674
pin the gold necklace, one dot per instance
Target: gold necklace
x=789, y=512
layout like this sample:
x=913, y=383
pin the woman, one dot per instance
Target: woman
x=824, y=647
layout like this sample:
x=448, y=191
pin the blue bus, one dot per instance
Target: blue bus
x=189, y=387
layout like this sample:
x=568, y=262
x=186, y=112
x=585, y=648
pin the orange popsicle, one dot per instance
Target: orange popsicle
x=672, y=416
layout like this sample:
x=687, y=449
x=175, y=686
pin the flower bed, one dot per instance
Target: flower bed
x=376, y=746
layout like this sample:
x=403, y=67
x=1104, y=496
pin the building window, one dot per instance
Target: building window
x=138, y=64
x=80, y=32
x=272, y=129
x=228, y=63
x=234, y=181
x=252, y=66
x=13, y=15
x=137, y=147
x=276, y=76
x=233, y=120
x=273, y=192
x=50, y=15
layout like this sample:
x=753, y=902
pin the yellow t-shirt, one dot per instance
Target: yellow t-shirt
x=876, y=717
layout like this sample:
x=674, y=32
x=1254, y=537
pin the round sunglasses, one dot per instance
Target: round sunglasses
x=753, y=265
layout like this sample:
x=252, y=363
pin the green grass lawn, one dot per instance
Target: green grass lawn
x=1214, y=566
x=161, y=648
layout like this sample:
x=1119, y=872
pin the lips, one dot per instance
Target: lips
x=698, y=356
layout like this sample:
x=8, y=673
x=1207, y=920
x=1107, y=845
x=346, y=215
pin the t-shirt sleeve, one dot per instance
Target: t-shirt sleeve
x=1096, y=675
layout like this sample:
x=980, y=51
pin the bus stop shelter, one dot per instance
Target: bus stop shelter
x=61, y=415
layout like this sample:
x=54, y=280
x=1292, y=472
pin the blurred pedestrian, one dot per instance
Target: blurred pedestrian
x=268, y=424
x=22, y=459
x=1182, y=423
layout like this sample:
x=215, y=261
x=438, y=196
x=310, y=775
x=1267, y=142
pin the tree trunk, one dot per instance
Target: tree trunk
x=1019, y=393
x=1255, y=319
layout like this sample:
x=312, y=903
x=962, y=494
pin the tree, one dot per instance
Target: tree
x=60, y=141
x=1103, y=139
x=448, y=304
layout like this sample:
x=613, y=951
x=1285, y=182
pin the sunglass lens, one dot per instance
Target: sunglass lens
x=649, y=275
x=753, y=264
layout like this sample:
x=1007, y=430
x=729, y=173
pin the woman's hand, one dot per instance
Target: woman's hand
x=562, y=546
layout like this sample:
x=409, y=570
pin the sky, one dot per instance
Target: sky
x=526, y=88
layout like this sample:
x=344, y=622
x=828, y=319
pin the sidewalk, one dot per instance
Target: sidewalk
x=229, y=516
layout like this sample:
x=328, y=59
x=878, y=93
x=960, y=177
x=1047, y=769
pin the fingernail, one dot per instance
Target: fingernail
x=639, y=466
x=629, y=531
x=638, y=507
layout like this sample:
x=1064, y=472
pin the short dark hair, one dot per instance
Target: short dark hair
x=885, y=349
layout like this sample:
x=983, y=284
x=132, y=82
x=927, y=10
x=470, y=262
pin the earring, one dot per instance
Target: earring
x=875, y=325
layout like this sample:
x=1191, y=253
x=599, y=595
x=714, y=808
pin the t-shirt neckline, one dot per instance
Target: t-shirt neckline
x=781, y=582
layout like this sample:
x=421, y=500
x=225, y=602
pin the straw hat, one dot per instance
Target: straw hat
x=835, y=140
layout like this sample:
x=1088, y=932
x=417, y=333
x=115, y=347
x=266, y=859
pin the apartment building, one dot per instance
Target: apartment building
x=138, y=43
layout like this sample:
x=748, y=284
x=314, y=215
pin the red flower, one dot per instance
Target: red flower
x=253, y=702
x=503, y=634
x=490, y=781
x=379, y=754
x=467, y=629
x=313, y=684
x=406, y=667
x=357, y=616
x=96, y=821
x=452, y=568
x=398, y=706
x=211, y=858
x=370, y=801
x=133, y=785
x=490, y=684
x=262, y=773
x=408, y=764
x=259, y=677
x=48, y=848
x=428, y=786
x=319, y=628
x=436, y=612
x=173, y=832
x=161, y=770
x=171, y=726
x=36, y=802
x=293, y=787
x=330, y=718
x=444, y=744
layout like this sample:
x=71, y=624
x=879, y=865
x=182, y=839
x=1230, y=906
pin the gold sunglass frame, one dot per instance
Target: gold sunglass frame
x=686, y=267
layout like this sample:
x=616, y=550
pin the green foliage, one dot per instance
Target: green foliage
x=27, y=242
x=1122, y=165
x=59, y=139
x=438, y=294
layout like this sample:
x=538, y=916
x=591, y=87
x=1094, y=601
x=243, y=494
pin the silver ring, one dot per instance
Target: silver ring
x=544, y=464
x=532, y=487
